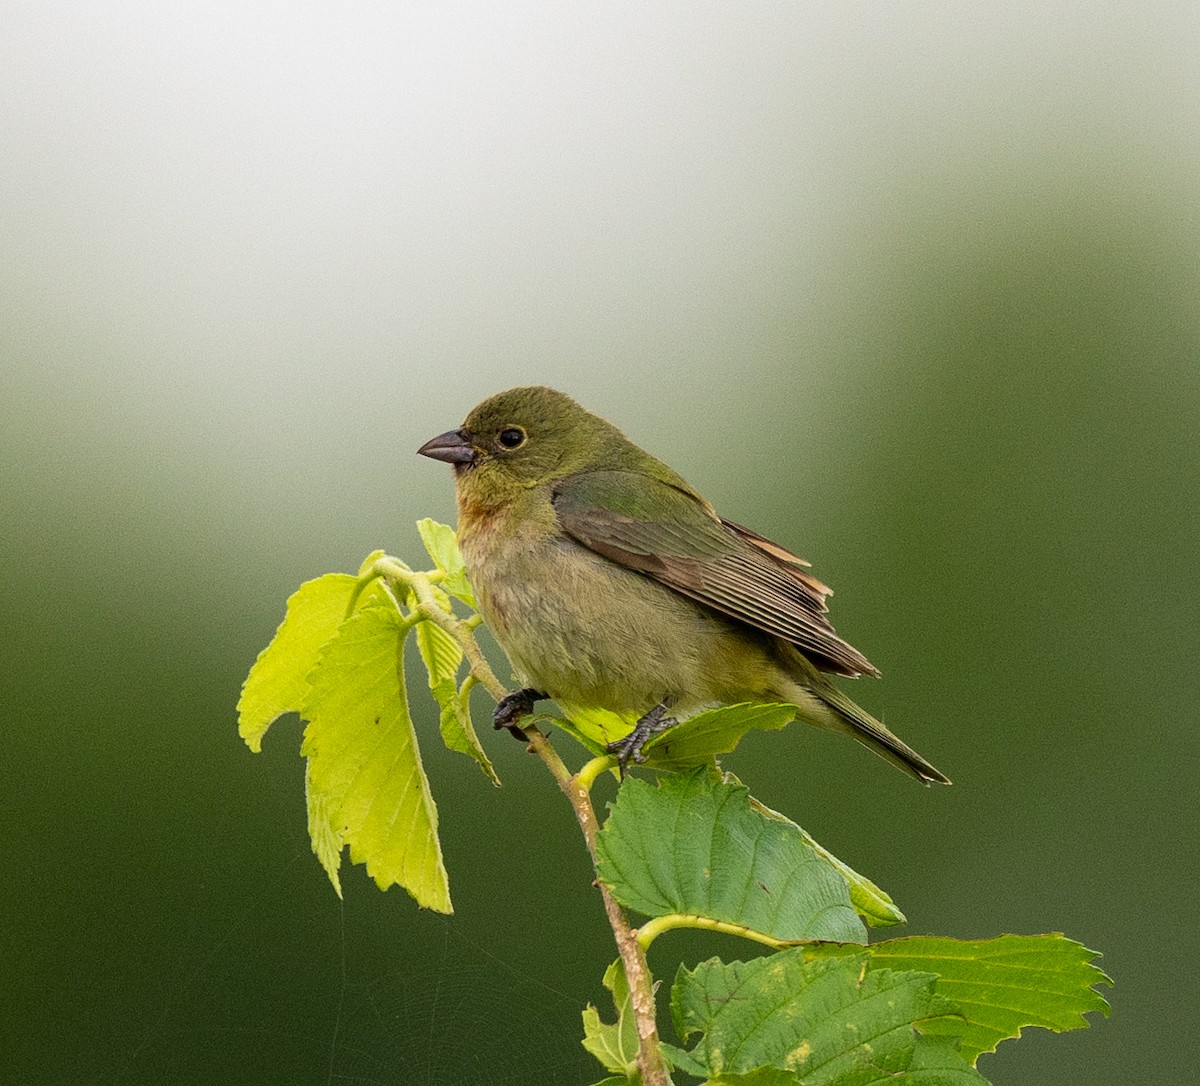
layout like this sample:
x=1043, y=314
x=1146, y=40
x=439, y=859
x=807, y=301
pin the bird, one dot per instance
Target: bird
x=611, y=583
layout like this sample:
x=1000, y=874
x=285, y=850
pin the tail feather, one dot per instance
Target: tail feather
x=857, y=722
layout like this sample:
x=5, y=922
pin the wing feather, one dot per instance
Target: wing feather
x=665, y=531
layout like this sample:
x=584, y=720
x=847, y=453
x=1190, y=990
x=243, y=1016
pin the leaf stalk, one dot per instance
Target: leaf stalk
x=652, y=929
x=589, y=771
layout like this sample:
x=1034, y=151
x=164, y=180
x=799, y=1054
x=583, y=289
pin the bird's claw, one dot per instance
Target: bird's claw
x=512, y=707
x=629, y=747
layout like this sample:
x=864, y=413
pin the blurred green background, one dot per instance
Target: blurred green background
x=914, y=289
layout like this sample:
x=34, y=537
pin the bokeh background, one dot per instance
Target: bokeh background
x=914, y=289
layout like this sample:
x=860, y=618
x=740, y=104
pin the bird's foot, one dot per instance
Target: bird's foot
x=629, y=748
x=510, y=708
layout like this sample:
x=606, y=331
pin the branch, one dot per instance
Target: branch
x=641, y=987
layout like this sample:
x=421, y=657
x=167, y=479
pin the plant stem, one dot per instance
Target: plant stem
x=641, y=987
x=577, y=791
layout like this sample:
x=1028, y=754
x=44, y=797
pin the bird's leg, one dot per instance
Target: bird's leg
x=512, y=707
x=629, y=749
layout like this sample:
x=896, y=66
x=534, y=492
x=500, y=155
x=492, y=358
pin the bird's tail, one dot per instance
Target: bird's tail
x=857, y=722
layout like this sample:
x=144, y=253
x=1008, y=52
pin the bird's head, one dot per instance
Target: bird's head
x=520, y=439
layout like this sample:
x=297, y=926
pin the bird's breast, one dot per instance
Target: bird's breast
x=586, y=630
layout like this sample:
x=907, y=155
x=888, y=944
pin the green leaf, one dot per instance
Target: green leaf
x=761, y=1076
x=615, y=1046
x=278, y=681
x=457, y=728
x=593, y=727
x=366, y=780
x=828, y=1021
x=693, y=846
x=442, y=657
x=699, y=739
x=692, y=742
x=326, y=841
x=989, y=989
x=680, y=1060
x=936, y=1061
x=874, y=905
x=370, y=560
x=439, y=651
x=442, y=545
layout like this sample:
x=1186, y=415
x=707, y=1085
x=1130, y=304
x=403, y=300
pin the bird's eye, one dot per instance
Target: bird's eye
x=512, y=438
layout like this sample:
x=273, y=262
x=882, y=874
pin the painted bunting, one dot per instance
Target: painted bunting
x=611, y=583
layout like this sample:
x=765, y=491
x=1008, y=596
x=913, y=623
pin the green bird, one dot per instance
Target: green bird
x=611, y=583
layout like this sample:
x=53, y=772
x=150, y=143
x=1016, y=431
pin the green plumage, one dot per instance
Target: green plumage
x=611, y=583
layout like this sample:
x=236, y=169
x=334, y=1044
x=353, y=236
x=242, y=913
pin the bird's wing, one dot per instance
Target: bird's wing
x=670, y=534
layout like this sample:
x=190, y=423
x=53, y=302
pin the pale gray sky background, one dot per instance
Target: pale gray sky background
x=233, y=231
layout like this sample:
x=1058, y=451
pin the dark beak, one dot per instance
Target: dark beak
x=451, y=447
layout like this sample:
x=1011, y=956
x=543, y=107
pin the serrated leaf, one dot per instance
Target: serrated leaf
x=692, y=742
x=699, y=739
x=989, y=989
x=693, y=846
x=365, y=770
x=760, y=1076
x=615, y=1046
x=326, y=840
x=439, y=651
x=935, y=1061
x=457, y=728
x=601, y=1039
x=442, y=656
x=829, y=1021
x=680, y=1060
x=278, y=681
x=370, y=560
x=442, y=545
x=874, y=905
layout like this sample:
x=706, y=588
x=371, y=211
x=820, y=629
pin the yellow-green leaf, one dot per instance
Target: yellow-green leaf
x=442, y=656
x=594, y=727
x=692, y=742
x=278, y=681
x=615, y=1046
x=370, y=561
x=326, y=840
x=442, y=545
x=874, y=905
x=365, y=773
x=700, y=738
x=456, y=726
x=439, y=651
